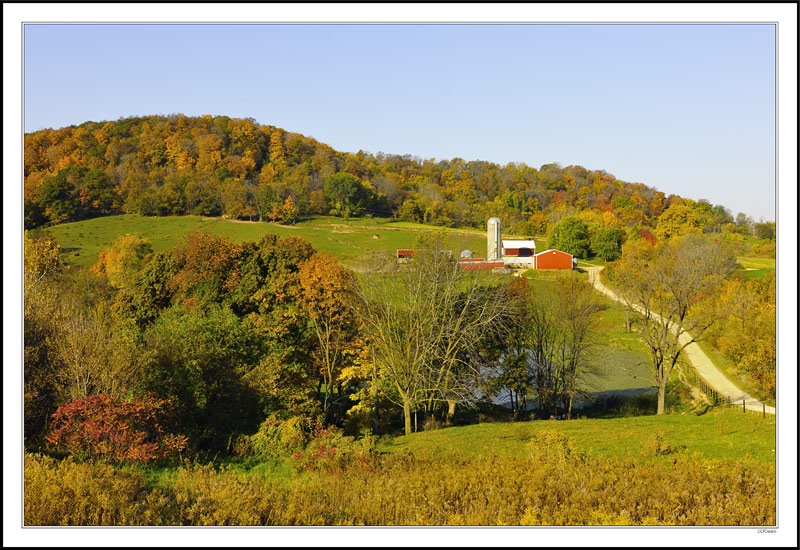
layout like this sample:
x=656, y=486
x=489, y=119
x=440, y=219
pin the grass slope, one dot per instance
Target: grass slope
x=718, y=434
x=755, y=268
x=349, y=240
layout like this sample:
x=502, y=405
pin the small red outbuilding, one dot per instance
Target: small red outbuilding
x=552, y=259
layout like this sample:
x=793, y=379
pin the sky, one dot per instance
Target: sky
x=687, y=109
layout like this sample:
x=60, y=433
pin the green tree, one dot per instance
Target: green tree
x=607, y=243
x=344, y=191
x=289, y=211
x=57, y=195
x=200, y=359
x=765, y=230
x=409, y=212
x=744, y=224
x=570, y=235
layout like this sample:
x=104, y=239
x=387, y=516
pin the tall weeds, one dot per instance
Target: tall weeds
x=557, y=487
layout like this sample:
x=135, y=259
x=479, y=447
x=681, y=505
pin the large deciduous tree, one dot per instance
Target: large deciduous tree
x=326, y=295
x=662, y=283
x=607, y=243
x=424, y=319
x=677, y=220
x=344, y=192
x=570, y=235
x=548, y=346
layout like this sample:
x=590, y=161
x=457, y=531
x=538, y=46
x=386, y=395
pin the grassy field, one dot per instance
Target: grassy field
x=350, y=240
x=717, y=434
x=755, y=268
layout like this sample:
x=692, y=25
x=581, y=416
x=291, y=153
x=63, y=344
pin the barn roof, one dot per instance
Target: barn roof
x=519, y=244
x=552, y=250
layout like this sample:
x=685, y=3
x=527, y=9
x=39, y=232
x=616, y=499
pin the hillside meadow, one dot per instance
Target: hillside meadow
x=350, y=240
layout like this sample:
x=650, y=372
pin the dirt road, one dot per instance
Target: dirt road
x=704, y=366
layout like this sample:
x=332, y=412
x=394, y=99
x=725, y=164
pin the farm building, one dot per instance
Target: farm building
x=519, y=248
x=519, y=253
x=404, y=255
x=553, y=259
x=506, y=253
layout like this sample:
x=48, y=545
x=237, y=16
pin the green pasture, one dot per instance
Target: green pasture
x=748, y=262
x=755, y=268
x=717, y=434
x=351, y=241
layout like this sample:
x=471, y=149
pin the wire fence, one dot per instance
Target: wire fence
x=719, y=400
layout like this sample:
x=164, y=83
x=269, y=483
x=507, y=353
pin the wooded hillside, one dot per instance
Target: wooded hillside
x=237, y=168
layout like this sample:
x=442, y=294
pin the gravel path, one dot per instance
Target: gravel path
x=704, y=366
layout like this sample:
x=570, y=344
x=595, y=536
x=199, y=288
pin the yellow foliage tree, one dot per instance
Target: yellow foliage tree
x=120, y=263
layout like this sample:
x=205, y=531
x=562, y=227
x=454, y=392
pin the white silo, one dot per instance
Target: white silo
x=493, y=239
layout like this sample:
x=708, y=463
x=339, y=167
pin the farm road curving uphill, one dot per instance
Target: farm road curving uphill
x=704, y=366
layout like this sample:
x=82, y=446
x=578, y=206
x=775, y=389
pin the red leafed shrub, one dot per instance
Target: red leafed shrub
x=648, y=236
x=100, y=426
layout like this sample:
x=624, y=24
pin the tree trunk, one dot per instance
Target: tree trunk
x=451, y=409
x=375, y=431
x=416, y=429
x=407, y=415
x=662, y=395
x=569, y=407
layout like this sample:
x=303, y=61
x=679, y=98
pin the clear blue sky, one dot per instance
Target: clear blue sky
x=687, y=109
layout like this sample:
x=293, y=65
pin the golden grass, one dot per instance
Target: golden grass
x=551, y=485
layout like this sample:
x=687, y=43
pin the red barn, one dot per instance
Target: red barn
x=552, y=259
x=519, y=248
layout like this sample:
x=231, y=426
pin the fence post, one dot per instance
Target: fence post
x=744, y=410
x=763, y=410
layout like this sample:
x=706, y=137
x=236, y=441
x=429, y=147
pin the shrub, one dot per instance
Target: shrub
x=764, y=250
x=277, y=438
x=657, y=444
x=432, y=423
x=331, y=451
x=100, y=426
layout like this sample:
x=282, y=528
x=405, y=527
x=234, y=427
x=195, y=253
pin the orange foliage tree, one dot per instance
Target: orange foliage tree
x=326, y=296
